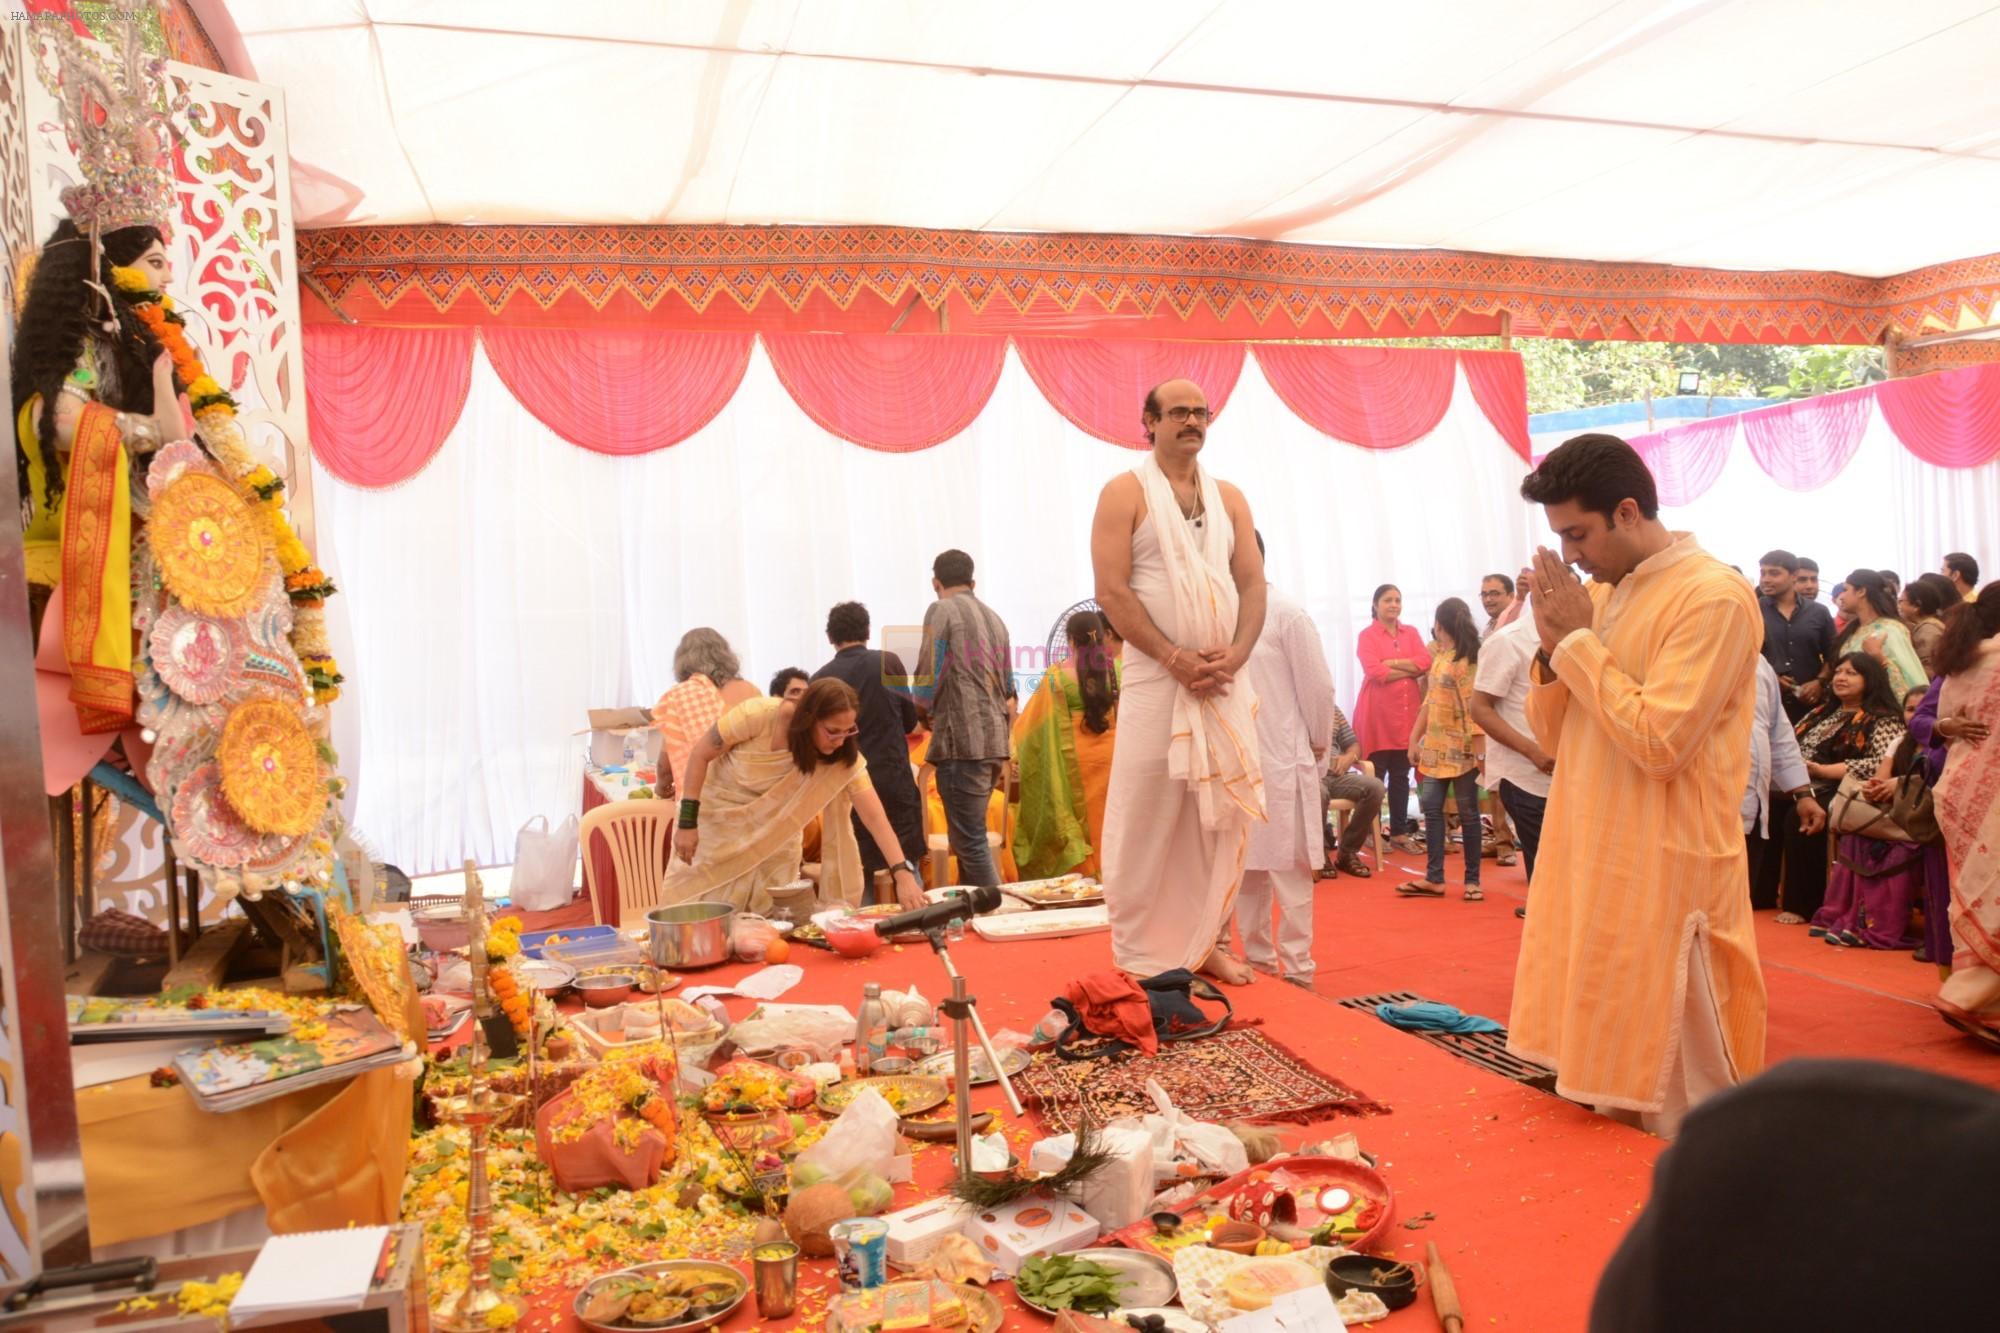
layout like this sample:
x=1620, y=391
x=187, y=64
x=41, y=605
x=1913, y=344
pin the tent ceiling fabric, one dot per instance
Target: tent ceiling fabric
x=1840, y=135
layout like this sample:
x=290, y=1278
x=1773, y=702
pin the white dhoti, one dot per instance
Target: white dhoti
x=1185, y=785
x=1170, y=883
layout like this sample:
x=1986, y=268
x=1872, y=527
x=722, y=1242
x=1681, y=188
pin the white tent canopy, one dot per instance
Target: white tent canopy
x=1842, y=135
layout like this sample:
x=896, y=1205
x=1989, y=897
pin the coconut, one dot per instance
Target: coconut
x=810, y=1217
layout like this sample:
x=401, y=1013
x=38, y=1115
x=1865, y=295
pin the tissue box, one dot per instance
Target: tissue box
x=914, y=1232
x=1117, y=1196
x=1036, y=1225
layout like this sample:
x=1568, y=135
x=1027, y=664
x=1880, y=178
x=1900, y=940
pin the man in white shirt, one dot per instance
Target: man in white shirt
x=1294, y=717
x=1775, y=765
x=1516, y=767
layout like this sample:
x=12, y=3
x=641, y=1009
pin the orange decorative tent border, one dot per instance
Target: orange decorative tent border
x=1186, y=287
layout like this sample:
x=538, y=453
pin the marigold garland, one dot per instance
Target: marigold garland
x=215, y=411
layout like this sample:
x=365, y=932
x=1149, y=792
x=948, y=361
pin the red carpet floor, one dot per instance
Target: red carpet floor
x=1527, y=1194
x=1854, y=1003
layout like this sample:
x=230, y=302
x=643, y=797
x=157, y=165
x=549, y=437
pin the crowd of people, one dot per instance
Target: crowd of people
x=1878, y=800
x=1665, y=747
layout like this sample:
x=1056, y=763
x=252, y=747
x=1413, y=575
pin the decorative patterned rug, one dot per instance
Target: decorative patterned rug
x=1240, y=1074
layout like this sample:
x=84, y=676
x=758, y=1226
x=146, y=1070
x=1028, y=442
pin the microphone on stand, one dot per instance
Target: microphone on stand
x=958, y=907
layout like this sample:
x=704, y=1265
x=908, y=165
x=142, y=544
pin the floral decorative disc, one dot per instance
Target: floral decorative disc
x=208, y=830
x=210, y=546
x=200, y=657
x=271, y=767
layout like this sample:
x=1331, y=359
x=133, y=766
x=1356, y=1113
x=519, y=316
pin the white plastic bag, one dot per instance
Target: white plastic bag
x=863, y=1139
x=821, y=1028
x=544, y=865
x=1183, y=1146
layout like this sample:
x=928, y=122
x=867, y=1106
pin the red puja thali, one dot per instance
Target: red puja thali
x=1307, y=1193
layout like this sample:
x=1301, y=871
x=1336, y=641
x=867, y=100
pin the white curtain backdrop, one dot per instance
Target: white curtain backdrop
x=519, y=580
x=1886, y=510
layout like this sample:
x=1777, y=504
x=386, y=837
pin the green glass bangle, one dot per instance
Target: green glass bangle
x=690, y=812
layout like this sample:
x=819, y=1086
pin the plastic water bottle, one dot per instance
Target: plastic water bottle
x=1053, y=1025
x=871, y=1028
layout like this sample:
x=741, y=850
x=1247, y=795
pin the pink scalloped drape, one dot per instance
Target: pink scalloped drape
x=619, y=390
x=1376, y=397
x=1686, y=460
x=1499, y=383
x=1100, y=384
x=1804, y=445
x=1948, y=419
x=380, y=401
x=894, y=392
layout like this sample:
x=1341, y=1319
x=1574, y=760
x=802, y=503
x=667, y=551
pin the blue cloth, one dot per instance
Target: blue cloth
x=127, y=789
x=1426, y=1016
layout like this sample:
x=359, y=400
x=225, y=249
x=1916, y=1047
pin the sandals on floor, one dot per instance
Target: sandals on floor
x=1507, y=858
x=1418, y=888
x=1473, y=895
x=1972, y=1025
x=1790, y=919
x=1353, y=865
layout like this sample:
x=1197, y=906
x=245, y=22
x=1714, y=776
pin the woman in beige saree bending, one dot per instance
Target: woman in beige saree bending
x=756, y=780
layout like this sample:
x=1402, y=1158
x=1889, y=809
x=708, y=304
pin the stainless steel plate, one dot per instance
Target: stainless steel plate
x=1148, y=1280
x=718, y=1271
x=547, y=975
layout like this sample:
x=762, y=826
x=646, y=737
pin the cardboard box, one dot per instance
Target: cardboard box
x=611, y=727
x=914, y=1232
x=1035, y=1225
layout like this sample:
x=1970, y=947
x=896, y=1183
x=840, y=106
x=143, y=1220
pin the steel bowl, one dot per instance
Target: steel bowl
x=690, y=935
x=602, y=992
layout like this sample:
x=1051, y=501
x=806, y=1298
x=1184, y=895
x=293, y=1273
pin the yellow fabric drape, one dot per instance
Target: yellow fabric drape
x=321, y=1158
x=85, y=544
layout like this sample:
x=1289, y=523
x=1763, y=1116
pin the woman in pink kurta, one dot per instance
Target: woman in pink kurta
x=1393, y=662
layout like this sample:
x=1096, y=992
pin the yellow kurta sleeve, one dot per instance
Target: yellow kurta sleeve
x=1658, y=723
x=1545, y=707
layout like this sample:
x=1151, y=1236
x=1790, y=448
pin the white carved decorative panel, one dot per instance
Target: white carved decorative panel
x=235, y=269
x=234, y=262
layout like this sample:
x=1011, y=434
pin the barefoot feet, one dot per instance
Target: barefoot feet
x=1228, y=969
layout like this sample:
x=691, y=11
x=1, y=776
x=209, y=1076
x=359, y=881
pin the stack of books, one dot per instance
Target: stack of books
x=225, y=1078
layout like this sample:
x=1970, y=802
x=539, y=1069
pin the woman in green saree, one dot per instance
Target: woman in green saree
x=1062, y=746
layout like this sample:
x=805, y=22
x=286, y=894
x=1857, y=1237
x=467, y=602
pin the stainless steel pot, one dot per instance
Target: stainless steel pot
x=690, y=935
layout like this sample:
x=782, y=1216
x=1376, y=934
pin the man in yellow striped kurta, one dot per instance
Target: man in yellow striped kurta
x=1638, y=978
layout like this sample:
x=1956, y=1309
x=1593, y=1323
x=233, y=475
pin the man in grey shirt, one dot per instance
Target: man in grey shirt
x=971, y=711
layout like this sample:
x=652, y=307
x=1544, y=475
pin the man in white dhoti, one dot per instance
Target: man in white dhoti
x=1178, y=572
x=1294, y=688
